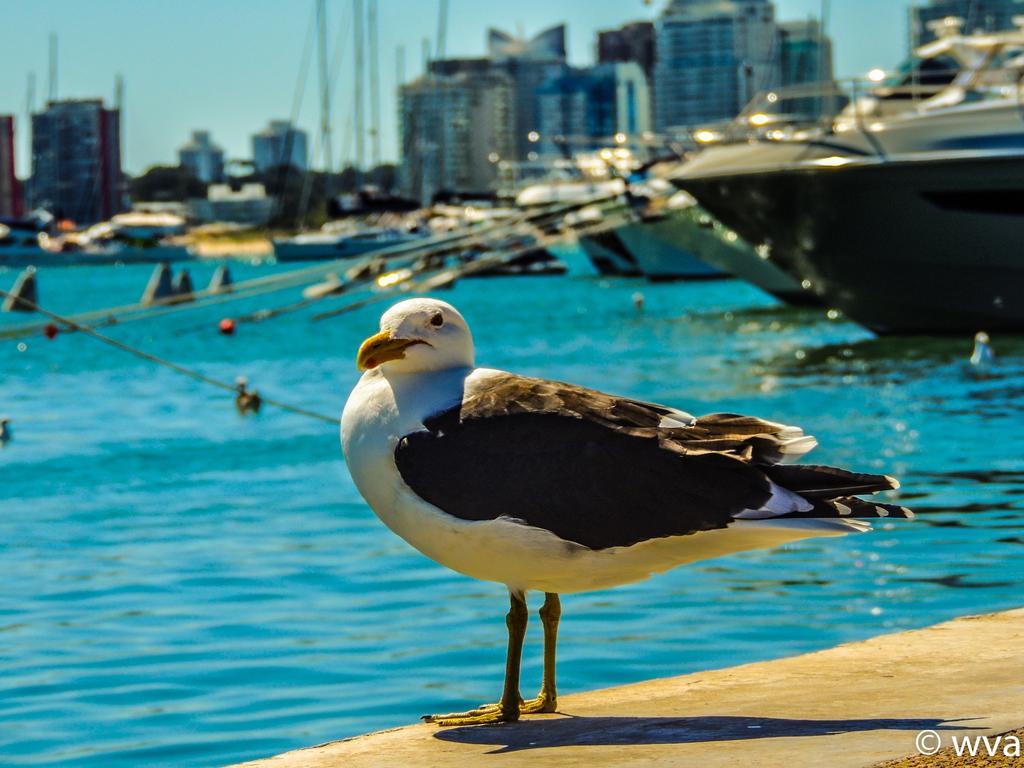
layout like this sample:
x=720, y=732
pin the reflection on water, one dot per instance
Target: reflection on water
x=182, y=586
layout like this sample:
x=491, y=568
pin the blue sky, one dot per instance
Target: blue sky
x=231, y=65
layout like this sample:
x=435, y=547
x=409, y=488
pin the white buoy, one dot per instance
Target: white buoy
x=983, y=354
x=639, y=301
x=25, y=287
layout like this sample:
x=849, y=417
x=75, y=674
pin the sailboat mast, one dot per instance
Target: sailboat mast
x=325, y=87
x=374, y=84
x=357, y=112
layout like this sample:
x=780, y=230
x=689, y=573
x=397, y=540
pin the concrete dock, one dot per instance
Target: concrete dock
x=858, y=704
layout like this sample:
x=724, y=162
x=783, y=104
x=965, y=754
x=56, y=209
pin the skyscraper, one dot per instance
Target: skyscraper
x=10, y=189
x=455, y=128
x=76, y=160
x=805, y=54
x=527, y=62
x=713, y=56
x=630, y=42
x=467, y=114
x=587, y=106
x=202, y=158
x=280, y=143
x=986, y=15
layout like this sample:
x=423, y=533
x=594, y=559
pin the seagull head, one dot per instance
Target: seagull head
x=416, y=336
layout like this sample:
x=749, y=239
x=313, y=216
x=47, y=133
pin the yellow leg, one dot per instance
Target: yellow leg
x=507, y=710
x=547, y=700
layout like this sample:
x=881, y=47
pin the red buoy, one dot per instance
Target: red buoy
x=51, y=330
x=227, y=326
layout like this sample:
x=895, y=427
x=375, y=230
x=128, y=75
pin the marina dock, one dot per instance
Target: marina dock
x=858, y=704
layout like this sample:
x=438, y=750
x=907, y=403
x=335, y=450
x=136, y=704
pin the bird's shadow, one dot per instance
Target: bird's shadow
x=617, y=731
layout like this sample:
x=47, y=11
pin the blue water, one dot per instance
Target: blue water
x=185, y=587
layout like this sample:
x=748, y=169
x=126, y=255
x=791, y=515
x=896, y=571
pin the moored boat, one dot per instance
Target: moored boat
x=331, y=243
x=665, y=243
x=609, y=255
x=905, y=211
x=696, y=231
x=926, y=243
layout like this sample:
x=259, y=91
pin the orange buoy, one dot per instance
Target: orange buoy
x=51, y=330
x=227, y=326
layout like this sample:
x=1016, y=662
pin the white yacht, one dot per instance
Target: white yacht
x=904, y=209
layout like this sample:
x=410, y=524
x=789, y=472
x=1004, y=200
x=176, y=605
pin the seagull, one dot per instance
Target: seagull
x=552, y=487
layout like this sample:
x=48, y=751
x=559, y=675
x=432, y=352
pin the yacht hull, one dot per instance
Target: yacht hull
x=329, y=250
x=927, y=244
x=608, y=254
x=667, y=247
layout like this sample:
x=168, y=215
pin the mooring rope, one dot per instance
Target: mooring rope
x=183, y=370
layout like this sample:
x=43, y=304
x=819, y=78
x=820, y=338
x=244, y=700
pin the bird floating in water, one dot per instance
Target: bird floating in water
x=546, y=486
x=246, y=401
x=5, y=431
x=983, y=354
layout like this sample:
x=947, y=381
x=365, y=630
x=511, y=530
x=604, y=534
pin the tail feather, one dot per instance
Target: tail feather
x=815, y=481
x=851, y=507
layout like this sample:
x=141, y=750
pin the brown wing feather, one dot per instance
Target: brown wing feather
x=745, y=437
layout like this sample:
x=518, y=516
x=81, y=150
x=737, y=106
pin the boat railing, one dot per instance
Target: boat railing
x=822, y=104
x=824, y=108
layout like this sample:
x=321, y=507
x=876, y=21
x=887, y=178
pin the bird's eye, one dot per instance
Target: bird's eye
x=437, y=320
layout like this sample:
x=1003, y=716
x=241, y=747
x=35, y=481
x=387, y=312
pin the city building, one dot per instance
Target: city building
x=280, y=143
x=584, y=108
x=248, y=205
x=987, y=15
x=631, y=42
x=805, y=53
x=468, y=114
x=202, y=158
x=527, y=63
x=455, y=128
x=76, y=160
x=713, y=56
x=10, y=188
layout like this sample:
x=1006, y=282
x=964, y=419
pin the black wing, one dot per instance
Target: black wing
x=591, y=468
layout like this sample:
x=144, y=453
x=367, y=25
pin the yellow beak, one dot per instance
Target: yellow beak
x=381, y=348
